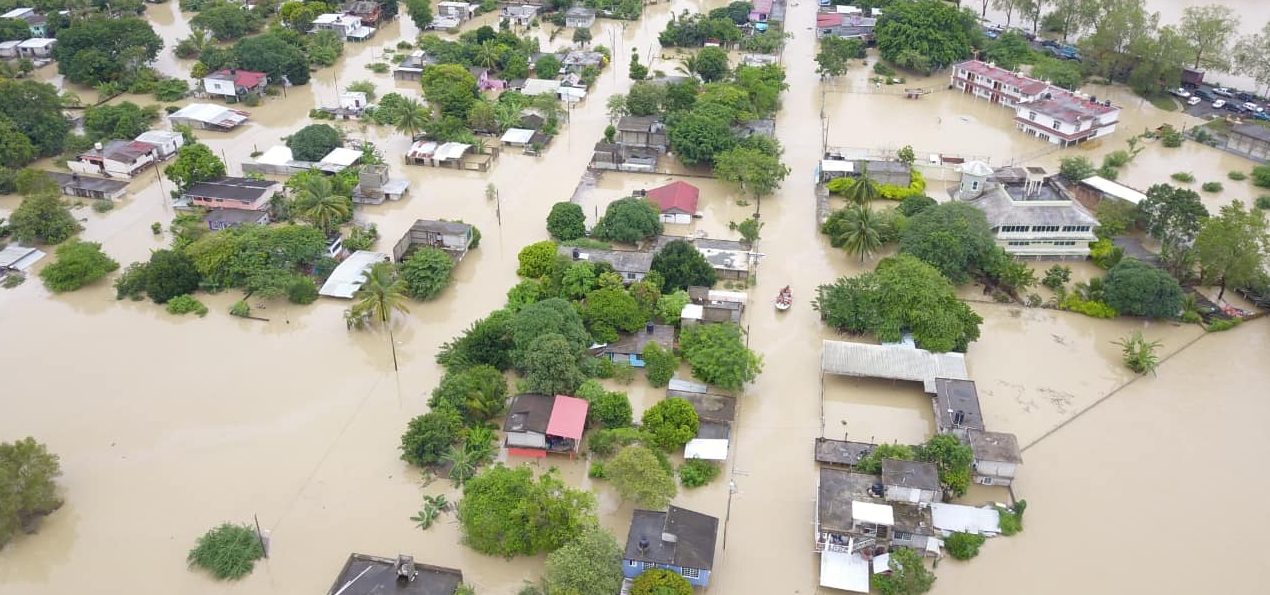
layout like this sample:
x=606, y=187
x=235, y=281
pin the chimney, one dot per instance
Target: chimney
x=643, y=544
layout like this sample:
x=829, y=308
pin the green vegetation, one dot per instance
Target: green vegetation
x=670, y=423
x=194, y=163
x=629, y=220
x=638, y=475
x=536, y=259
x=589, y=564
x=27, y=471
x=78, y=264
x=610, y=409
x=659, y=581
x=660, y=364
x=1138, y=289
x=952, y=237
x=432, y=508
x=908, y=575
x=964, y=546
x=566, y=222
x=1012, y=518
x=506, y=512
x=426, y=273
x=228, y=551
x=1237, y=175
x=42, y=218
x=1182, y=176
x=695, y=473
x=718, y=355
x=1231, y=247
x=1076, y=168
x=683, y=266
x=478, y=394
x=313, y=142
x=1211, y=187
x=1057, y=276
x=100, y=49
x=925, y=35
x=429, y=436
x=185, y=304
x=952, y=458
x=1139, y=354
x=836, y=54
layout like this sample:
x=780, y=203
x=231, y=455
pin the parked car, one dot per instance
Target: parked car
x=1180, y=92
x=1205, y=94
x=1049, y=43
x=1252, y=107
x=1194, y=100
x=1238, y=108
x=1220, y=103
x=1223, y=91
x=1246, y=96
x=1262, y=115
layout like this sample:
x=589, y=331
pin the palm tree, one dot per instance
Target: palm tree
x=462, y=463
x=506, y=115
x=862, y=232
x=487, y=54
x=863, y=190
x=689, y=66
x=317, y=203
x=412, y=118
x=382, y=293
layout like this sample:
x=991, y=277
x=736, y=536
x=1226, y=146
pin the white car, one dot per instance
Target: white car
x=1193, y=100
x=1220, y=103
x=1180, y=92
x=1252, y=107
x=1223, y=91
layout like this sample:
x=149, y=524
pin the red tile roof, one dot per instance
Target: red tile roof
x=246, y=79
x=828, y=19
x=1027, y=85
x=1068, y=107
x=568, y=417
x=676, y=195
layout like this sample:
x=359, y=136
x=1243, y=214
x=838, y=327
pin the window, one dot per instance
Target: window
x=646, y=565
x=1058, y=125
x=692, y=573
x=1031, y=116
x=1076, y=228
x=1045, y=228
x=974, y=185
x=1065, y=243
x=1013, y=228
x=1017, y=243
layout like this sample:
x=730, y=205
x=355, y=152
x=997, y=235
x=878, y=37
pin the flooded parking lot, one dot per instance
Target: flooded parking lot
x=167, y=426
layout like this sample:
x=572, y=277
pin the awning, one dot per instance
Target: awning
x=840, y=570
x=568, y=417
x=882, y=564
x=878, y=514
x=710, y=449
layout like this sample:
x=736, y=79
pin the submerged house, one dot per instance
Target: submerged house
x=348, y=27
x=911, y=481
x=1042, y=110
x=1030, y=212
x=165, y=142
x=373, y=575
x=541, y=424
x=642, y=131
x=117, y=159
x=579, y=17
x=677, y=202
x=37, y=24
x=208, y=117
x=679, y=540
x=375, y=185
x=453, y=237
x=712, y=305
x=846, y=26
x=957, y=410
x=996, y=457
x=630, y=348
x=730, y=259
x=411, y=69
x=244, y=194
x=235, y=83
x=88, y=186
x=349, y=276
x=518, y=14
x=631, y=265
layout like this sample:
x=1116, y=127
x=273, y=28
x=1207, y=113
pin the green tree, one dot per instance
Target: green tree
x=582, y=36
x=124, y=120
x=100, y=49
x=272, y=54
x=682, y=266
x=547, y=66
x=14, y=30
x=505, y=512
x=936, y=32
x=78, y=264
x=549, y=316
x=952, y=458
x=429, y=436
x=170, y=273
x=1232, y=246
x=1009, y=50
x=671, y=305
x=411, y=119
x=660, y=364
x=450, y=88
x=718, y=355
x=612, y=409
x=566, y=221
x=639, y=476
x=659, y=581
x=226, y=21
x=478, y=393
x=314, y=141
x=1210, y=30
x=964, y=546
x=42, y=218
x=670, y=423
x=579, y=280
x=755, y=171
x=27, y=490
x=608, y=311
x=317, y=202
x=836, y=54
x=537, y=259
x=229, y=551
x=859, y=231
x=645, y=99
x=908, y=575
x=1251, y=55
x=486, y=342
x=749, y=229
x=711, y=64
x=698, y=135
x=872, y=462
x=381, y=295
x=1174, y=216
x=16, y=149
x=427, y=273
x=628, y=220
x=589, y=564
x=902, y=293
x=1138, y=289
x=34, y=109
x=915, y=204
x=953, y=237
x=552, y=366
x=194, y=163
x=1063, y=73
x=420, y=13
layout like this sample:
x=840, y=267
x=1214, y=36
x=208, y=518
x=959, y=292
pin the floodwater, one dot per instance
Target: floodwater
x=167, y=426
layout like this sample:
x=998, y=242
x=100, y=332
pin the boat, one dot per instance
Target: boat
x=785, y=299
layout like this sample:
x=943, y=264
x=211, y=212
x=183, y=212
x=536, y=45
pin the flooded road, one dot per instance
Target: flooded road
x=167, y=426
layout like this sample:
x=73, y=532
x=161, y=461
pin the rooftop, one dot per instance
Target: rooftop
x=529, y=413
x=234, y=217
x=218, y=115
x=623, y=261
x=661, y=334
x=688, y=386
x=87, y=182
x=838, y=490
x=910, y=474
x=124, y=151
x=229, y=188
x=894, y=362
x=841, y=452
x=995, y=446
x=677, y=195
x=349, y=276
x=568, y=417
x=1066, y=106
x=373, y=575
x=677, y=537
x=637, y=123
x=1026, y=84
x=579, y=11
x=1123, y=192
x=1010, y=205
x=708, y=406
x=241, y=78
x=957, y=404
x=441, y=227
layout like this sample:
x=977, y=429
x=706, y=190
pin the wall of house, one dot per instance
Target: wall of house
x=259, y=205
x=676, y=218
x=219, y=87
x=697, y=577
x=910, y=540
x=896, y=493
x=526, y=439
x=1000, y=473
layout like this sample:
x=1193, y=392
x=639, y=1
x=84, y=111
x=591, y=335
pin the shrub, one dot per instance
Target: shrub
x=1261, y=176
x=240, y=308
x=1211, y=187
x=915, y=204
x=1092, y=308
x=612, y=409
x=1075, y=168
x=963, y=546
x=78, y=264
x=103, y=206
x=426, y=273
x=184, y=304
x=228, y=551
x=1222, y=325
x=1263, y=202
x=12, y=280
x=660, y=364
x=1170, y=137
x=605, y=442
x=1108, y=172
x=659, y=581
x=302, y=290
x=1116, y=159
x=377, y=67
x=1132, y=287
x=695, y=473
x=1105, y=254
x=1183, y=176
x=131, y=283
x=882, y=69
x=1237, y=175
x=430, y=435
x=536, y=260
x=1057, y=276
x=1012, y=519
x=596, y=470
x=156, y=228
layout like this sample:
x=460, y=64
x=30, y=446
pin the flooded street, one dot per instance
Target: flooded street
x=167, y=426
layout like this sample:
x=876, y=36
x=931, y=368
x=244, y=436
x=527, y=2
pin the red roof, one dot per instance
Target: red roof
x=676, y=195
x=1027, y=85
x=568, y=417
x=246, y=79
x=828, y=19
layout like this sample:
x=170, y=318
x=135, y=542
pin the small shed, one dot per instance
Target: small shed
x=952, y=518
x=540, y=424
x=349, y=276
x=996, y=457
x=454, y=237
x=517, y=137
x=911, y=481
x=19, y=258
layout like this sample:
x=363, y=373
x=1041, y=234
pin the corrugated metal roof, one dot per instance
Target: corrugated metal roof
x=347, y=278
x=1120, y=191
x=568, y=417
x=895, y=362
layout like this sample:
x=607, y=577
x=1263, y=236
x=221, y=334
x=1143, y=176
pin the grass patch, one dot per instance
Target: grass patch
x=1211, y=187
x=228, y=551
x=1164, y=102
x=1237, y=176
x=1183, y=176
x=184, y=304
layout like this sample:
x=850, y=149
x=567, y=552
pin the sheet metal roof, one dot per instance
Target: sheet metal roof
x=517, y=136
x=707, y=449
x=967, y=519
x=1120, y=191
x=847, y=572
x=895, y=362
x=342, y=156
x=19, y=258
x=693, y=534
x=349, y=276
x=677, y=195
x=568, y=417
x=212, y=114
x=869, y=512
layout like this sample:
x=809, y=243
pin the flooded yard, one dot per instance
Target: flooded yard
x=167, y=426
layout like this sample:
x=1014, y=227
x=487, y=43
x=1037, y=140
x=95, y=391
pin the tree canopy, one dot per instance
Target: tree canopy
x=554, y=316
x=902, y=294
x=100, y=49
x=1172, y=215
x=926, y=34
x=566, y=221
x=27, y=471
x=537, y=259
x=450, y=89
x=430, y=435
x=78, y=264
x=683, y=266
x=755, y=171
x=1132, y=287
x=1232, y=246
x=314, y=141
x=170, y=273
x=589, y=564
x=953, y=237
x=487, y=341
x=671, y=423
x=908, y=575
x=477, y=393
x=34, y=110
x=659, y=581
x=552, y=366
x=610, y=310
x=44, y=219
x=718, y=355
x=711, y=64
x=638, y=475
x=194, y=163
x=836, y=54
x=952, y=458
x=123, y=120
x=506, y=512
x=426, y=273
x=229, y=551
x=629, y=220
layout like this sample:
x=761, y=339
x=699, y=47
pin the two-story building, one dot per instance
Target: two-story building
x=35, y=22
x=986, y=80
x=996, y=457
x=518, y=14
x=679, y=540
x=117, y=159
x=243, y=194
x=453, y=237
x=579, y=17
x=540, y=424
x=1064, y=118
x=642, y=131
x=348, y=27
x=1030, y=213
x=235, y=83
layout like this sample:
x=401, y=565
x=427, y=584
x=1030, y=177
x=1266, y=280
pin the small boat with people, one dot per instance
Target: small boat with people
x=785, y=299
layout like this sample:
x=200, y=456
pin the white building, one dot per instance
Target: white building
x=1030, y=213
x=1048, y=112
x=117, y=159
x=997, y=85
x=347, y=26
x=37, y=48
x=165, y=142
x=208, y=116
x=996, y=457
x=235, y=83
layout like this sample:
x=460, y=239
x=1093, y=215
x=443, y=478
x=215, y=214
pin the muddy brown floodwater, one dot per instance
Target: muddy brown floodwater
x=167, y=426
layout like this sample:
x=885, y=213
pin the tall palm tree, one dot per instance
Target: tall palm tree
x=412, y=118
x=488, y=54
x=689, y=66
x=862, y=232
x=863, y=190
x=382, y=294
x=317, y=203
x=462, y=463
